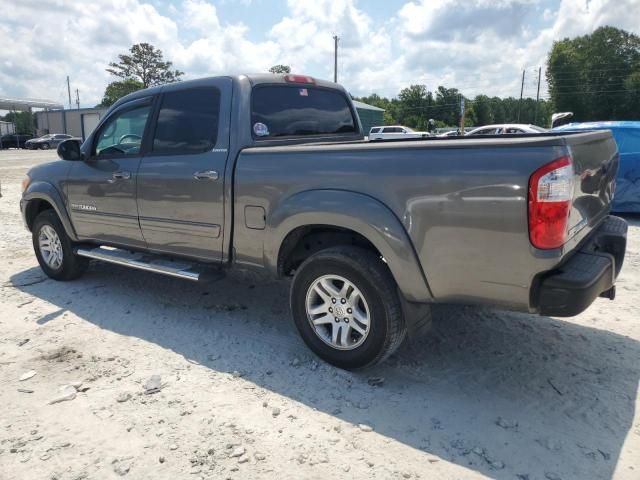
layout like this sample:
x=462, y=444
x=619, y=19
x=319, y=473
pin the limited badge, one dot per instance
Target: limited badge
x=260, y=129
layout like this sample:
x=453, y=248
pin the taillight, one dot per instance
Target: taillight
x=550, y=197
x=299, y=79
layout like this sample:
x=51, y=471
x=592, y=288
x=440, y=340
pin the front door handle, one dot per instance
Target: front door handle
x=206, y=175
x=120, y=176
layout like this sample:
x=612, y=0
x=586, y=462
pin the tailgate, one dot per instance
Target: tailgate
x=595, y=163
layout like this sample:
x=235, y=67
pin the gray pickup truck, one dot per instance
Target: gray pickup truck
x=272, y=172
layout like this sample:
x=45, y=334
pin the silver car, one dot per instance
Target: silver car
x=51, y=140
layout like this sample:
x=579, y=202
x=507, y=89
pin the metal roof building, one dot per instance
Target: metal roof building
x=370, y=116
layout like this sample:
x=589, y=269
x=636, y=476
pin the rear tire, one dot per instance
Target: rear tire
x=338, y=289
x=44, y=146
x=54, y=248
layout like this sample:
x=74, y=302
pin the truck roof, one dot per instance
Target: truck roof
x=253, y=79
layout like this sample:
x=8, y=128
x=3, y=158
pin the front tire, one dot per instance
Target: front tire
x=54, y=249
x=44, y=146
x=346, y=307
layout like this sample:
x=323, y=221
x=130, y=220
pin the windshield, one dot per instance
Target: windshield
x=294, y=110
x=538, y=129
x=409, y=130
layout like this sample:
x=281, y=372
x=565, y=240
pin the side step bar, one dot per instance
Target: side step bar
x=142, y=261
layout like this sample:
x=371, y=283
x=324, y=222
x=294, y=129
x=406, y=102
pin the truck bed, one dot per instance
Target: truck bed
x=462, y=201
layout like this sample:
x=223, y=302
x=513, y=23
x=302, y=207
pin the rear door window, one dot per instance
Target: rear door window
x=295, y=110
x=187, y=121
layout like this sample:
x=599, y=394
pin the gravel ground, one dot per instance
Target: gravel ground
x=171, y=379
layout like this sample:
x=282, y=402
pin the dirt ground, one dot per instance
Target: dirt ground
x=486, y=394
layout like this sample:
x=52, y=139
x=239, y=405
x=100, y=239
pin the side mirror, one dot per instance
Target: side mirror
x=70, y=150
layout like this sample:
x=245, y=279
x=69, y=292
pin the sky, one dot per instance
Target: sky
x=477, y=46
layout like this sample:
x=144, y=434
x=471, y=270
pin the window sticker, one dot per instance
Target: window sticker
x=304, y=92
x=260, y=129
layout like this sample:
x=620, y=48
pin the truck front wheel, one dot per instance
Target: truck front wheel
x=346, y=307
x=54, y=249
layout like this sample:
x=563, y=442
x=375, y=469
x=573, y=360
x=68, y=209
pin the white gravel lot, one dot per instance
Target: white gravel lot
x=486, y=394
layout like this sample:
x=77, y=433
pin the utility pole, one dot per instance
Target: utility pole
x=462, y=110
x=69, y=91
x=78, y=98
x=521, y=91
x=335, y=58
x=535, y=111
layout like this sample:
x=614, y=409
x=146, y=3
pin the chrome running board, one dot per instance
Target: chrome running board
x=142, y=261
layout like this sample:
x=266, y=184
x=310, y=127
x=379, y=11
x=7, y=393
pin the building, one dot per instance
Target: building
x=370, y=116
x=6, y=128
x=79, y=122
x=13, y=104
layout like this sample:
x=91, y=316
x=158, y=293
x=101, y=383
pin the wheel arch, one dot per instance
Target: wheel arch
x=359, y=219
x=42, y=196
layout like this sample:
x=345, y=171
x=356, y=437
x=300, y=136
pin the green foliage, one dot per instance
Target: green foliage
x=118, y=89
x=146, y=65
x=25, y=121
x=596, y=76
x=280, y=69
x=415, y=105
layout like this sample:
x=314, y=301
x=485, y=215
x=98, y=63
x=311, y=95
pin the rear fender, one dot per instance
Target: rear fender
x=359, y=213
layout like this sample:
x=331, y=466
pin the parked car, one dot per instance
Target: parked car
x=12, y=140
x=627, y=136
x=273, y=173
x=48, y=141
x=450, y=133
x=504, y=129
x=395, y=132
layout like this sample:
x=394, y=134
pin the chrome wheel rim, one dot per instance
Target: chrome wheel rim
x=50, y=247
x=338, y=312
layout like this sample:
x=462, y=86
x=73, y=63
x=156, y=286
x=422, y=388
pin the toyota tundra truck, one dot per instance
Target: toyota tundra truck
x=273, y=173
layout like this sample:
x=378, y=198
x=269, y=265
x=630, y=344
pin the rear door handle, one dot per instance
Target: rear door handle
x=206, y=175
x=120, y=176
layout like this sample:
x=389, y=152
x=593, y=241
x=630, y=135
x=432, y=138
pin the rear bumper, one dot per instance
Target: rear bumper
x=592, y=271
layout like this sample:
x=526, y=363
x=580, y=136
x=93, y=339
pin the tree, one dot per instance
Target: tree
x=280, y=69
x=25, y=122
x=118, y=89
x=593, y=75
x=146, y=65
x=482, y=110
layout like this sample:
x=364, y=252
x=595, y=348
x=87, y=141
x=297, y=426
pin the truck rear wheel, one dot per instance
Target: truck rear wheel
x=54, y=249
x=346, y=307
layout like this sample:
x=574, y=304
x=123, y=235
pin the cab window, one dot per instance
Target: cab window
x=188, y=121
x=300, y=110
x=122, y=133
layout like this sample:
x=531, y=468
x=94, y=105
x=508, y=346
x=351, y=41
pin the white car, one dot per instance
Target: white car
x=395, y=132
x=505, y=129
x=450, y=133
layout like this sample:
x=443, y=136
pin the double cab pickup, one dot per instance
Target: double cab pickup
x=272, y=172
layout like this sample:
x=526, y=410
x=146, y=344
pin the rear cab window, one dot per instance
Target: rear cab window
x=285, y=111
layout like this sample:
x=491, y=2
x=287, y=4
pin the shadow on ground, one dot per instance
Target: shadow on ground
x=503, y=394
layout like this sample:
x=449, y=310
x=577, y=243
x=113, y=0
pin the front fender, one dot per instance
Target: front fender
x=359, y=213
x=40, y=190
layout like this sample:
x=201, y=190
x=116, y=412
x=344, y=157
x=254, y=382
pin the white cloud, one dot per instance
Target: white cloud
x=477, y=46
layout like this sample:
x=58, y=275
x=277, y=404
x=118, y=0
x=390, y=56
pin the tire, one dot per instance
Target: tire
x=44, y=146
x=375, y=293
x=70, y=266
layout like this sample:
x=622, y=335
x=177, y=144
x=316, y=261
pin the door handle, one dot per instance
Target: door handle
x=120, y=176
x=206, y=175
